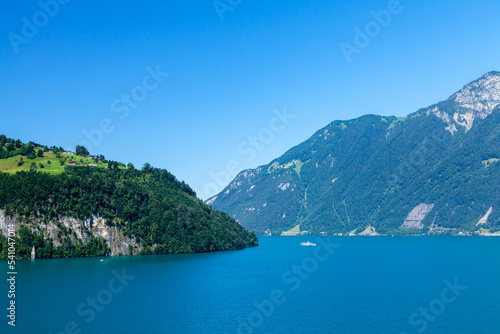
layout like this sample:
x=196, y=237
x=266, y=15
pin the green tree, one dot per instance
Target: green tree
x=21, y=162
x=146, y=167
x=39, y=153
x=82, y=151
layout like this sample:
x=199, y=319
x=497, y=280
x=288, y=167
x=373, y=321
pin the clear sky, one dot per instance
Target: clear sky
x=195, y=86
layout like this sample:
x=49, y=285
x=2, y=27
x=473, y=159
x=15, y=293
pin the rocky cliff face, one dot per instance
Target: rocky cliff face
x=436, y=168
x=475, y=100
x=414, y=219
x=78, y=230
x=480, y=96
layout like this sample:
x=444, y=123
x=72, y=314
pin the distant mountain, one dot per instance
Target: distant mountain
x=434, y=171
x=65, y=204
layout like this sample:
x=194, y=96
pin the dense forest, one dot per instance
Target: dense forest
x=149, y=204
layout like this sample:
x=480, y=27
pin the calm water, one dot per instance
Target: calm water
x=366, y=285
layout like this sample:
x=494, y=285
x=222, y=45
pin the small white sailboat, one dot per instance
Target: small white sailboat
x=307, y=243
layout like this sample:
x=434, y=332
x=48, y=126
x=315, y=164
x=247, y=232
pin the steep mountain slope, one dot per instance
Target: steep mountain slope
x=433, y=170
x=100, y=210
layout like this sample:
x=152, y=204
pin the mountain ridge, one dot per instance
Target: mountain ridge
x=365, y=165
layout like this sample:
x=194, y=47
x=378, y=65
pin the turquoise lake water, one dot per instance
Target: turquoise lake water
x=343, y=285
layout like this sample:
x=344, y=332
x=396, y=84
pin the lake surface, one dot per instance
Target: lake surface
x=356, y=285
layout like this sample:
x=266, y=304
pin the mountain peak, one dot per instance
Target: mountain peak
x=481, y=95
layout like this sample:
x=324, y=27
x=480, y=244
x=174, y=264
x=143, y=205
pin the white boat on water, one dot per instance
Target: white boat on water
x=307, y=244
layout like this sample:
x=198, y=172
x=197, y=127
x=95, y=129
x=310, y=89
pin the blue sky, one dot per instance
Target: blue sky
x=232, y=67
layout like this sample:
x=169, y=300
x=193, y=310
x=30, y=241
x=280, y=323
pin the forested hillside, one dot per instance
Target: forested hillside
x=434, y=171
x=148, y=206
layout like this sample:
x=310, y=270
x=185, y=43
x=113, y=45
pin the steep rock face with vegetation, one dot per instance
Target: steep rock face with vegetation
x=434, y=171
x=106, y=209
x=73, y=230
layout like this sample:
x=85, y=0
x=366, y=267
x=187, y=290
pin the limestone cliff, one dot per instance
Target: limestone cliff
x=78, y=230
